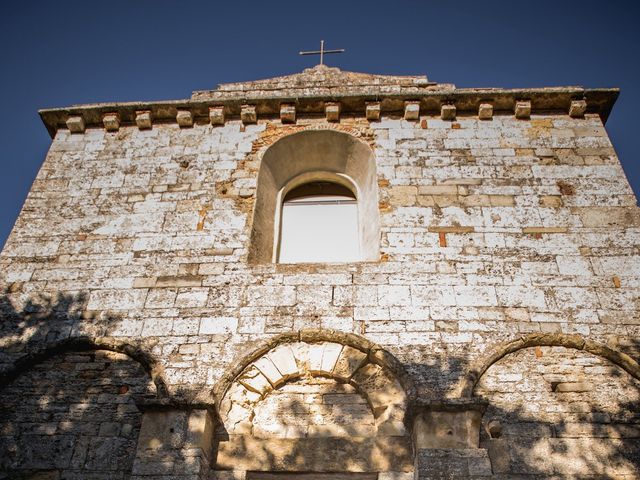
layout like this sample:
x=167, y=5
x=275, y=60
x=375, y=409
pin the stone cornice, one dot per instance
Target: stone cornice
x=467, y=101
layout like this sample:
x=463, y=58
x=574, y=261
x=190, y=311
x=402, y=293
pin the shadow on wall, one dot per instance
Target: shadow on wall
x=310, y=423
x=563, y=412
x=70, y=411
x=37, y=321
x=69, y=405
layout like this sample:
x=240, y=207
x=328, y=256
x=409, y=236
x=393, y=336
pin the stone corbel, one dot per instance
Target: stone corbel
x=143, y=119
x=248, y=114
x=577, y=108
x=332, y=111
x=448, y=111
x=287, y=113
x=523, y=109
x=111, y=122
x=184, y=118
x=485, y=111
x=75, y=124
x=411, y=110
x=216, y=115
x=372, y=110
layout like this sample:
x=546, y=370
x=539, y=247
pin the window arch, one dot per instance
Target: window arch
x=293, y=172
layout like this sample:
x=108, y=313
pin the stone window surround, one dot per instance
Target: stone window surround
x=314, y=155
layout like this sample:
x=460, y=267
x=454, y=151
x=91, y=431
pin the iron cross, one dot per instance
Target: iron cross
x=322, y=52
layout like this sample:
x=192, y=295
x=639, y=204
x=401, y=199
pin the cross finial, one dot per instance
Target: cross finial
x=322, y=52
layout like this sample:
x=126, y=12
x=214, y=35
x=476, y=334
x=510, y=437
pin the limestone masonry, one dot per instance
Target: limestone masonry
x=490, y=329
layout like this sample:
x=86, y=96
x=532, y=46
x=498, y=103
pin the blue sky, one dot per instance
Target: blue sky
x=55, y=54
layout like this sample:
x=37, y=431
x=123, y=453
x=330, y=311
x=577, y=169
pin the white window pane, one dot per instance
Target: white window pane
x=319, y=232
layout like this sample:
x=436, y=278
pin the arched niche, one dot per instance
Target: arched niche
x=559, y=405
x=147, y=361
x=374, y=439
x=72, y=410
x=576, y=342
x=315, y=155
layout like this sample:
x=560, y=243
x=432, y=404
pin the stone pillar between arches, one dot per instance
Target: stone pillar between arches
x=446, y=439
x=174, y=442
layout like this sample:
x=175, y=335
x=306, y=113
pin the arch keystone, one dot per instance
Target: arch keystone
x=284, y=360
x=330, y=354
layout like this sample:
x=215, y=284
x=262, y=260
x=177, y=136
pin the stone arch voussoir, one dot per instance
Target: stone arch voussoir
x=576, y=342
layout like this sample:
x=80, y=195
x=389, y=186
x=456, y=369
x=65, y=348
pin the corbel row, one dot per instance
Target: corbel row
x=332, y=110
x=522, y=110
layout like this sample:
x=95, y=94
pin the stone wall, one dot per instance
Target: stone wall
x=316, y=407
x=490, y=230
x=73, y=416
x=554, y=411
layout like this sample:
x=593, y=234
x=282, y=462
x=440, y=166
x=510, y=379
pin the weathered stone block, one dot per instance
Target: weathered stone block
x=434, y=428
x=111, y=299
x=348, y=363
x=216, y=115
x=184, y=118
x=179, y=281
x=577, y=108
x=75, y=124
x=372, y=111
x=229, y=475
x=608, y=216
x=551, y=201
x=200, y=431
x=284, y=360
x=269, y=370
x=448, y=112
x=288, y=113
x=252, y=379
x=332, y=111
x=330, y=355
x=565, y=387
x=411, y=111
x=523, y=109
x=541, y=230
x=383, y=391
x=143, y=119
x=485, y=111
x=471, y=464
x=218, y=325
x=162, y=430
x=111, y=122
x=248, y=114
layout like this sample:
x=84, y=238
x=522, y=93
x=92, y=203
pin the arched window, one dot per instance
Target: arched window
x=319, y=223
x=316, y=189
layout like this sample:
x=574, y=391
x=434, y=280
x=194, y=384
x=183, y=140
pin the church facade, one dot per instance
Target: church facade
x=325, y=275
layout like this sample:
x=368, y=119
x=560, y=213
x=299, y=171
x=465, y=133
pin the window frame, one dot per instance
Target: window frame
x=303, y=179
